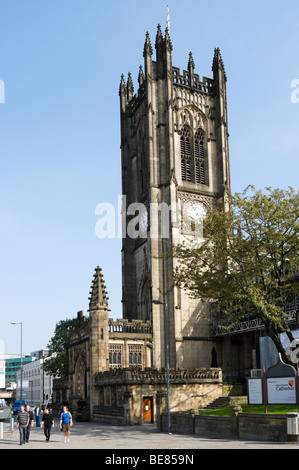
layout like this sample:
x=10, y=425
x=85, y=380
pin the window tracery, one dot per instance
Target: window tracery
x=193, y=156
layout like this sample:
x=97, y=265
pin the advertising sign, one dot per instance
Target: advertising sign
x=255, y=391
x=281, y=391
x=2, y=374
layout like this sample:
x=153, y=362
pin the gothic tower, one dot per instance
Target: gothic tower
x=99, y=334
x=175, y=162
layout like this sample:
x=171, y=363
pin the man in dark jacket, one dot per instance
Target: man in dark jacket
x=31, y=421
x=48, y=422
x=22, y=423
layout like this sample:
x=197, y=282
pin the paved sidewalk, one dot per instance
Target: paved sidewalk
x=118, y=438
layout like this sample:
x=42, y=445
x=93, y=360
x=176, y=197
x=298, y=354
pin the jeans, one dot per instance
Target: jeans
x=28, y=429
x=22, y=430
x=47, y=431
x=37, y=421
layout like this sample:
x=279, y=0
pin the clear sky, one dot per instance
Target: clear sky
x=61, y=63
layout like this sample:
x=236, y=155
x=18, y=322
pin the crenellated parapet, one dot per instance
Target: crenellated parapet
x=126, y=326
x=189, y=80
x=153, y=376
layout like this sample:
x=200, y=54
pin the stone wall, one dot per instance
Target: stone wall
x=257, y=427
x=108, y=415
x=264, y=427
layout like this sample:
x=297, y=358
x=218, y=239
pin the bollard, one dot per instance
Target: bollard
x=12, y=424
x=1, y=430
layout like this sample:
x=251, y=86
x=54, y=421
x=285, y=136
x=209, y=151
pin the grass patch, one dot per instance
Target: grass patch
x=271, y=409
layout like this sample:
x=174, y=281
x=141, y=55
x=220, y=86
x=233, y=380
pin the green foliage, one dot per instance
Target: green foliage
x=58, y=364
x=247, y=260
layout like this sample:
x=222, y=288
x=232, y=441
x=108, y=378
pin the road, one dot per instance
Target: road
x=98, y=436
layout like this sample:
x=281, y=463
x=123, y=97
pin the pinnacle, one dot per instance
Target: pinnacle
x=140, y=75
x=168, y=42
x=218, y=62
x=98, y=293
x=191, y=64
x=122, y=85
x=148, y=50
x=159, y=38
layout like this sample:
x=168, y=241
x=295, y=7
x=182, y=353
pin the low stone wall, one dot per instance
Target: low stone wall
x=109, y=415
x=263, y=427
x=257, y=427
x=217, y=427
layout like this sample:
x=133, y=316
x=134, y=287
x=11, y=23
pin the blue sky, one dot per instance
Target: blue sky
x=61, y=62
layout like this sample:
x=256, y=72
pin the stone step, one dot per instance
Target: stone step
x=222, y=402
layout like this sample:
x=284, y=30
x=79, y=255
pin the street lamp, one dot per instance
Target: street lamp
x=158, y=302
x=20, y=323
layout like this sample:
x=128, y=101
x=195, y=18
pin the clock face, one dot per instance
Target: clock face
x=143, y=223
x=194, y=214
x=195, y=211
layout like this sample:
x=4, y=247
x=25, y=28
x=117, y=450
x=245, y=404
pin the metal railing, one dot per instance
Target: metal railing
x=251, y=322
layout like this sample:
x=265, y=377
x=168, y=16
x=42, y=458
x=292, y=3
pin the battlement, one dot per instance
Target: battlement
x=192, y=81
x=126, y=326
x=154, y=376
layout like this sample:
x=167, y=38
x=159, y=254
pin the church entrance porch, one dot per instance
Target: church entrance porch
x=135, y=396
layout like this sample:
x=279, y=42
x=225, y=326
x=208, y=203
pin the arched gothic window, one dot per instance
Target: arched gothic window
x=199, y=157
x=193, y=158
x=186, y=154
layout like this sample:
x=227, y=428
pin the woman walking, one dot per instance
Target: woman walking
x=48, y=423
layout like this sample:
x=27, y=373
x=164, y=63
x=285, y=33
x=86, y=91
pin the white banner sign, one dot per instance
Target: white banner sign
x=281, y=391
x=255, y=392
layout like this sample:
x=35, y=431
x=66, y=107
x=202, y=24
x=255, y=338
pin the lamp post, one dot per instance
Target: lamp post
x=43, y=379
x=158, y=302
x=20, y=323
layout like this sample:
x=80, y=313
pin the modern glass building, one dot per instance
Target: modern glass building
x=12, y=365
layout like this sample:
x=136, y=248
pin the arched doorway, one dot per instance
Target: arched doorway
x=80, y=383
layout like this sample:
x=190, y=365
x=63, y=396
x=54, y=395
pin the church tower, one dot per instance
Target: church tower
x=175, y=163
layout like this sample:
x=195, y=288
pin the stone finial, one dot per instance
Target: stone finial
x=218, y=63
x=191, y=63
x=140, y=76
x=98, y=293
x=130, y=87
x=122, y=86
x=168, y=43
x=148, y=50
x=159, y=38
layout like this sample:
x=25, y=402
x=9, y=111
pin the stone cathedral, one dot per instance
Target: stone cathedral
x=174, y=141
x=174, y=161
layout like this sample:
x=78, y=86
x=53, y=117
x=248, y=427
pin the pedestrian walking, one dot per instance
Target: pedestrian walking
x=66, y=421
x=30, y=424
x=48, y=423
x=22, y=423
x=37, y=412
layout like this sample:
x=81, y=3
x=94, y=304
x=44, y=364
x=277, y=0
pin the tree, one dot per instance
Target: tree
x=248, y=259
x=58, y=364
